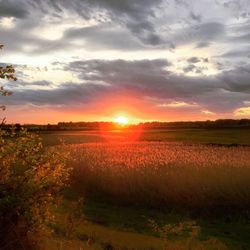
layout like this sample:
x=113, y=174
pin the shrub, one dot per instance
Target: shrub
x=31, y=180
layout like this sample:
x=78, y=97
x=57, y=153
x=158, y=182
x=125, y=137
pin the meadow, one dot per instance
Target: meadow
x=170, y=178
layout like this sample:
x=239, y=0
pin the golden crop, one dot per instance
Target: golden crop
x=164, y=174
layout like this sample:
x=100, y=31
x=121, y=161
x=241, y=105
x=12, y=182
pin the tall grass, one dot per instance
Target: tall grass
x=165, y=175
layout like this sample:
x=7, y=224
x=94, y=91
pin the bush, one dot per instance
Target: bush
x=31, y=180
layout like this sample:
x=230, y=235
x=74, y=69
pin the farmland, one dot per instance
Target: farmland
x=170, y=177
x=204, y=136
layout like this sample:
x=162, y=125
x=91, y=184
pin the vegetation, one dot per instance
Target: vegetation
x=31, y=179
x=217, y=137
x=165, y=175
x=156, y=195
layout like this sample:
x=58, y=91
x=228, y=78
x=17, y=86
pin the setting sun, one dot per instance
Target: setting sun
x=121, y=120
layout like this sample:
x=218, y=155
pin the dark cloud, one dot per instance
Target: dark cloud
x=210, y=31
x=237, y=80
x=12, y=8
x=195, y=17
x=189, y=68
x=141, y=80
x=121, y=25
x=104, y=37
x=182, y=3
x=39, y=83
x=196, y=59
x=20, y=83
x=137, y=16
x=193, y=60
x=65, y=94
x=203, y=34
x=240, y=38
x=194, y=68
x=202, y=44
x=241, y=53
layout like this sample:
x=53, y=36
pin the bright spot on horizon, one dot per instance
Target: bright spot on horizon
x=121, y=120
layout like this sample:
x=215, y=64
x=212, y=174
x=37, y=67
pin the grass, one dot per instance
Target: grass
x=166, y=176
x=123, y=227
x=234, y=232
x=177, y=176
x=204, y=136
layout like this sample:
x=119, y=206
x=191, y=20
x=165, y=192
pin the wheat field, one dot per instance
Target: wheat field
x=164, y=175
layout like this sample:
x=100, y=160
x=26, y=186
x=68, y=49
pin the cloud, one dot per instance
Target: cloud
x=137, y=16
x=207, y=112
x=237, y=54
x=104, y=37
x=141, y=79
x=10, y=8
x=114, y=25
x=189, y=68
x=209, y=31
x=196, y=37
x=36, y=83
x=237, y=80
x=177, y=104
x=195, y=17
x=242, y=112
x=202, y=34
x=67, y=93
x=202, y=44
x=193, y=60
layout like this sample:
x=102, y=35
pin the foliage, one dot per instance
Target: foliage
x=6, y=72
x=31, y=178
x=74, y=218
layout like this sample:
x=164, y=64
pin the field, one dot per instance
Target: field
x=204, y=136
x=134, y=184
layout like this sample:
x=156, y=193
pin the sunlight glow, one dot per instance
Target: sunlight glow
x=121, y=120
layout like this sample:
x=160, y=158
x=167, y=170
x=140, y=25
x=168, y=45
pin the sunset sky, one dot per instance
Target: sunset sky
x=94, y=60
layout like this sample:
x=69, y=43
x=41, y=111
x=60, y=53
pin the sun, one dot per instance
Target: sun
x=121, y=120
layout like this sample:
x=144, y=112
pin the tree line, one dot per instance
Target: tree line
x=217, y=124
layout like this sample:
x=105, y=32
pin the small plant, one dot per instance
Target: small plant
x=184, y=236
x=74, y=217
x=188, y=229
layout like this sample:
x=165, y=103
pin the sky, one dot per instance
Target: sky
x=94, y=60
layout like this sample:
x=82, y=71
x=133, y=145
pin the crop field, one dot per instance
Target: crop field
x=170, y=178
x=158, y=174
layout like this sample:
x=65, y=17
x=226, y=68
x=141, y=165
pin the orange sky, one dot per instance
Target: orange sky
x=106, y=109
